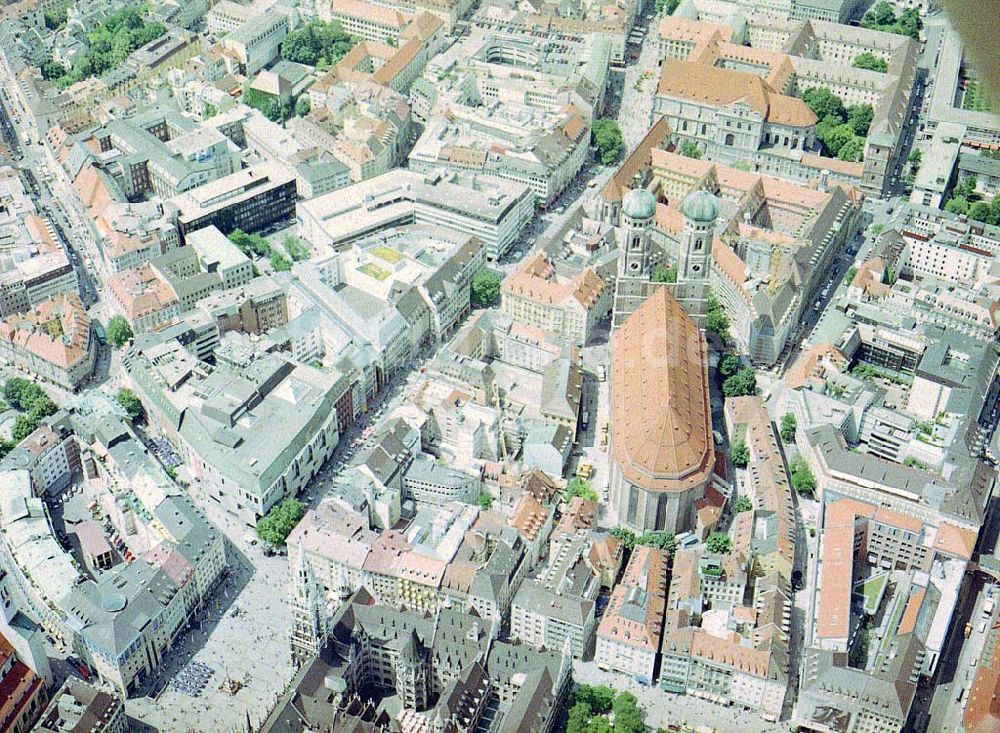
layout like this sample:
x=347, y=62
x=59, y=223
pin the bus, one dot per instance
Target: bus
x=586, y=419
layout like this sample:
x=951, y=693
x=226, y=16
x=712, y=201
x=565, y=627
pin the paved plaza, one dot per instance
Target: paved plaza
x=253, y=598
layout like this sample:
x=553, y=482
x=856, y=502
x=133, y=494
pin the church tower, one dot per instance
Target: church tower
x=694, y=253
x=634, y=259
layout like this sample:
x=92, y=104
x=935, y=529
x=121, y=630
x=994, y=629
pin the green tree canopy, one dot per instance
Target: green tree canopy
x=853, y=150
x=859, y=117
x=597, y=698
x=665, y=541
x=275, y=526
x=664, y=274
x=607, y=136
x=802, y=477
x=628, y=716
x=625, y=535
x=131, y=404
x=788, y=426
x=303, y=105
x=824, y=103
x=740, y=454
x=317, y=43
x=119, y=332
x=666, y=7
x=716, y=319
x=485, y=289
x=729, y=365
x=579, y=487
x=742, y=504
x=882, y=17
x=870, y=61
x=484, y=500
x=690, y=149
x=744, y=382
x=718, y=543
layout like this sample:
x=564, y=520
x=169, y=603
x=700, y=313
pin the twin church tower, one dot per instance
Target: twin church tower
x=637, y=260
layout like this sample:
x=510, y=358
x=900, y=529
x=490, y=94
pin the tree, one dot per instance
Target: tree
x=317, y=43
x=625, y=535
x=279, y=263
x=881, y=14
x=578, y=718
x=870, y=61
x=740, y=454
x=277, y=524
x=628, y=716
x=742, y=504
x=729, y=365
x=597, y=698
x=607, y=136
x=690, y=149
x=666, y=7
x=485, y=289
x=55, y=19
x=744, y=382
x=131, y=404
x=849, y=275
x=823, y=103
x=718, y=543
x=599, y=725
x=788, y=425
x=716, y=319
x=484, y=500
x=957, y=205
x=802, y=478
x=859, y=117
x=836, y=138
x=303, y=105
x=28, y=397
x=24, y=425
x=119, y=332
x=915, y=157
x=852, y=151
x=664, y=274
x=252, y=245
x=52, y=69
x=664, y=541
x=579, y=487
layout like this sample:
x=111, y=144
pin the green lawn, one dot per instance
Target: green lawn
x=871, y=590
x=974, y=98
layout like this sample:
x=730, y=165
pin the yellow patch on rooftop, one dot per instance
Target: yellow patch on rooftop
x=374, y=271
x=388, y=254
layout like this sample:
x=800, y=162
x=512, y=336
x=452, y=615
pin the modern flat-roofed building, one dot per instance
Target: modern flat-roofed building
x=492, y=210
x=662, y=451
x=257, y=41
x=217, y=254
x=256, y=428
x=249, y=199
